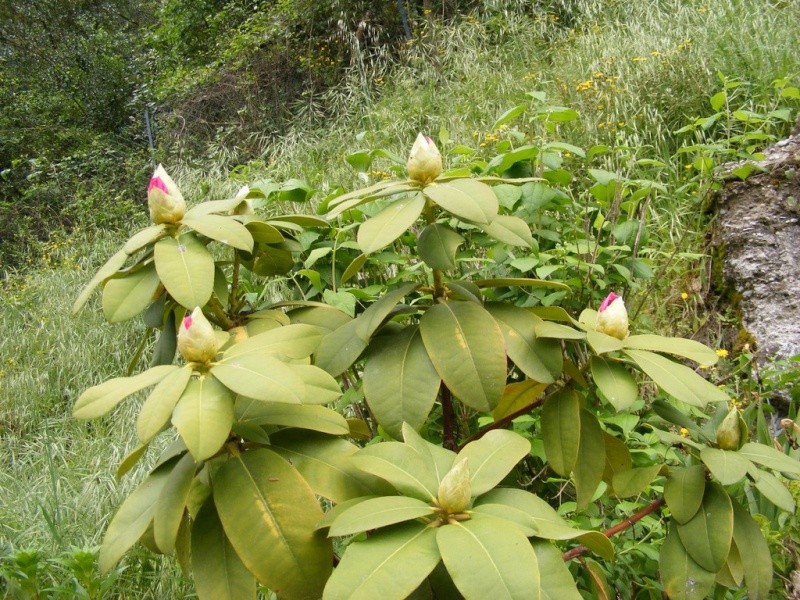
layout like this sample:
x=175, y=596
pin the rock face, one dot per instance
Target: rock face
x=758, y=226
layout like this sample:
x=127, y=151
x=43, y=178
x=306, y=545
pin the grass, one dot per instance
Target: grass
x=636, y=73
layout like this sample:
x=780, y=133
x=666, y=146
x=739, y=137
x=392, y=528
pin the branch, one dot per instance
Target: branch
x=448, y=420
x=650, y=508
x=502, y=422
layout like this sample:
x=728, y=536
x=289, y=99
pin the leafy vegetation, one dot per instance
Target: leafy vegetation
x=540, y=209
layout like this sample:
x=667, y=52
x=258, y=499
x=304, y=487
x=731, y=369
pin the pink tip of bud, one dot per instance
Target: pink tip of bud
x=607, y=302
x=157, y=182
x=187, y=321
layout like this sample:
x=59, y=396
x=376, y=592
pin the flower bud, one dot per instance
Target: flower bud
x=197, y=341
x=164, y=199
x=612, y=318
x=455, y=490
x=732, y=432
x=424, y=162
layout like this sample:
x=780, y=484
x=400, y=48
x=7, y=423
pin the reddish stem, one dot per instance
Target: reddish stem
x=650, y=508
x=502, y=422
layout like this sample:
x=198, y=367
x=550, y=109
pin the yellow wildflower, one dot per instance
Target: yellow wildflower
x=684, y=296
x=722, y=353
x=684, y=432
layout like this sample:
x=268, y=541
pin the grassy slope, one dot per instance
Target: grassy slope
x=658, y=63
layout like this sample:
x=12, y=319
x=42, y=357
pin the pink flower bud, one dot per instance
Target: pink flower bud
x=164, y=199
x=197, y=341
x=425, y=161
x=612, y=318
x=455, y=489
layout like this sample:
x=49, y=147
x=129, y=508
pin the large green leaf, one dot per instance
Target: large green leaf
x=466, y=346
x=561, y=431
x=324, y=462
x=773, y=490
x=269, y=512
x=217, y=570
x=101, y=398
x=539, y=359
x=591, y=463
x=294, y=341
x=264, y=232
x=157, y=409
x=314, y=418
x=204, y=416
x=684, y=490
x=437, y=245
x=601, y=342
x=466, y=198
x=615, y=382
x=510, y=230
x=340, y=349
x=372, y=318
x=260, y=377
x=400, y=382
x=390, y=564
x=699, y=353
x=557, y=581
x=756, y=559
x=321, y=388
x=325, y=317
x=125, y=297
x=517, y=396
x=548, y=329
x=224, y=229
x=402, y=466
x=143, y=238
x=111, y=266
x=489, y=557
x=707, y=535
x=132, y=519
x=770, y=458
x=186, y=269
x=632, y=482
x=171, y=503
x=677, y=380
x=379, y=512
x=440, y=460
x=682, y=577
x=389, y=224
x=728, y=467
x=492, y=457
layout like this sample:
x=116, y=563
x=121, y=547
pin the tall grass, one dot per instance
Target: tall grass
x=635, y=71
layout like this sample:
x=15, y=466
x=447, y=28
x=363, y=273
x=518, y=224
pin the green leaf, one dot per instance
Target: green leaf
x=186, y=269
x=294, y=341
x=615, y=382
x=400, y=382
x=468, y=199
x=171, y=503
x=728, y=467
x=732, y=573
x=467, y=349
x=402, y=466
x=492, y=457
x=758, y=562
x=699, y=353
x=510, y=230
x=770, y=458
x=264, y=233
x=521, y=282
x=440, y=460
x=100, y=399
x=389, y=224
x=561, y=431
x=320, y=315
x=371, y=319
x=354, y=267
x=158, y=407
x=260, y=377
x=132, y=519
x=130, y=460
x=618, y=457
x=548, y=329
x=707, y=535
x=489, y=557
x=591, y=463
x=632, y=482
x=389, y=564
x=204, y=416
x=324, y=462
x=509, y=115
x=517, y=396
x=340, y=349
x=217, y=570
x=379, y=512
x=224, y=229
x=321, y=388
x=272, y=261
x=601, y=343
x=437, y=245
x=143, y=238
x=682, y=578
x=539, y=359
x=774, y=490
x=684, y=490
x=313, y=418
x=557, y=581
x=125, y=297
x=269, y=512
x=111, y=266
x=677, y=380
